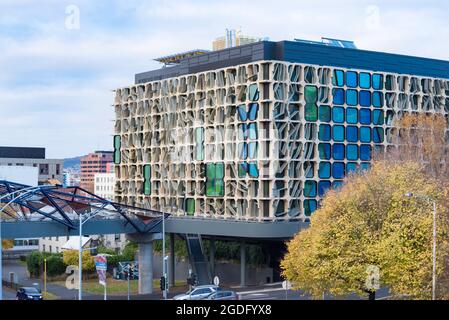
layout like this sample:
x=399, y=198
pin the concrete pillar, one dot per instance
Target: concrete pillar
x=145, y=259
x=171, y=268
x=212, y=257
x=242, y=264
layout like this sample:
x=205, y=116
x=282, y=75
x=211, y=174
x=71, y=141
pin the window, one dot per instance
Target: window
x=351, y=166
x=351, y=79
x=351, y=97
x=190, y=206
x=253, y=92
x=117, y=146
x=147, y=179
x=365, y=80
x=338, y=170
x=365, y=152
x=378, y=117
x=378, y=135
x=323, y=186
x=378, y=81
x=365, y=98
x=351, y=115
x=338, y=114
x=325, y=113
x=324, y=170
x=310, y=188
x=338, y=133
x=378, y=99
x=339, y=96
x=352, y=152
x=309, y=206
x=311, y=97
x=338, y=78
x=365, y=116
x=352, y=133
x=324, y=150
x=214, y=179
x=338, y=151
x=324, y=133
x=365, y=134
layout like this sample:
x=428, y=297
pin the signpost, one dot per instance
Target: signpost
x=217, y=281
x=101, y=265
x=286, y=285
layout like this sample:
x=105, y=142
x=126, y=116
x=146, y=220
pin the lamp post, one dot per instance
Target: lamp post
x=25, y=191
x=434, y=239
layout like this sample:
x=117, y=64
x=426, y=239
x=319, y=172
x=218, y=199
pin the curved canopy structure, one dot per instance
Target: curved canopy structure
x=65, y=205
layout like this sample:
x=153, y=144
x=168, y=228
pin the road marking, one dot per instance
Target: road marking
x=262, y=290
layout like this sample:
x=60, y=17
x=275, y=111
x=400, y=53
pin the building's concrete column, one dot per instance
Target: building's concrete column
x=242, y=263
x=212, y=257
x=172, y=261
x=145, y=259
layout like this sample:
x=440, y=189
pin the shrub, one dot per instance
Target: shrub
x=55, y=265
x=34, y=262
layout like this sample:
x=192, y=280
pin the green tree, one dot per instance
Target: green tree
x=370, y=222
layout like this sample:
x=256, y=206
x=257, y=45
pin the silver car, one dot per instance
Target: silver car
x=222, y=295
x=197, y=293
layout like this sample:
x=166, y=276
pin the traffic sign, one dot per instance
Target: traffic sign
x=216, y=280
x=286, y=285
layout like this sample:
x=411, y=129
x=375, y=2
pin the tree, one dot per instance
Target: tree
x=7, y=244
x=370, y=223
x=70, y=258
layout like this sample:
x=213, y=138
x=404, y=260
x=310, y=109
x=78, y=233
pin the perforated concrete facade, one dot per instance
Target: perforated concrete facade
x=262, y=140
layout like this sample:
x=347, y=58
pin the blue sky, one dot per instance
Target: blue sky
x=56, y=81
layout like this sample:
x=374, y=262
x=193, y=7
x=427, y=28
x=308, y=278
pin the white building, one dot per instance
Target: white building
x=104, y=185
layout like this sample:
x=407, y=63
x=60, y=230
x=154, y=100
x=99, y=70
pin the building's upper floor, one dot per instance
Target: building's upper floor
x=302, y=52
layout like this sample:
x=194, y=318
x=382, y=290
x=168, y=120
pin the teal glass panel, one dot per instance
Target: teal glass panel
x=339, y=96
x=338, y=133
x=310, y=206
x=242, y=169
x=338, y=78
x=352, y=152
x=389, y=83
x=378, y=117
x=324, y=133
x=323, y=186
x=117, y=157
x=351, y=166
x=324, y=151
x=365, y=134
x=378, y=99
x=190, y=206
x=310, y=188
x=253, y=110
x=365, y=152
x=352, y=133
x=311, y=94
x=365, y=98
x=253, y=92
x=117, y=146
x=365, y=80
x=338, y=170
x=352, y=115
x=324, y=170
x=351, y=79
x=219, y=170
x=241, y=110
x=117, y=142
x=252, y=170
x=147, y=182
x=351, y=97
x=311, y=112
x=378, y=135
x=338, y=114
x=338, y=151
x=324, y=113
x=252, y=150
x=378, y=81
x=365, y=116
x=252, y=128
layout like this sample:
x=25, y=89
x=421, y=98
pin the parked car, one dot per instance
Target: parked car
x=222, y=295
x=197, y=293
x=29, y=293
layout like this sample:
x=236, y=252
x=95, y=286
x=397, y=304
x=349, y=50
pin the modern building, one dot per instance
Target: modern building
x=59, y=244
x=233, y=38
x=91, y=164
x=49, y=169
x=104, y=185
x=261, y=131
x=71, y=179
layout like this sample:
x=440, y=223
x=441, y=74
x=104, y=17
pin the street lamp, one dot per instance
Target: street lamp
x=434, y=236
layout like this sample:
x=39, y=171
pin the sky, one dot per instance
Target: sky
x=61, y=60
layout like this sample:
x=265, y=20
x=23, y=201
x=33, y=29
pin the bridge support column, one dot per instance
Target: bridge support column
x=172, y=270
x=145, y=258
x=242, y=263
x=212, y=257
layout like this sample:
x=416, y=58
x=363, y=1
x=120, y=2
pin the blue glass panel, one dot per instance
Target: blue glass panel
x=378, y=117
x=324, y=150
x=365, y=134
x=252, y=150
x=253, y=92
x=325, y=132
x=338, y=170
x=339, y=96
x=252, y=170
x=338, y=114
x=365, y=152
x=365, y=165
x=378, y=81
x=378, y=135
x=338, y=151
x=378, y=99
x=365, y=80
x=253, y=108
x=324, y=113
x=352, y=133
x=351, y=79
x=252, y=129
x=323, y=186
x=352, y=152
x=351, y=166
x=324, y=170
x=243, y=131
x=310, y=188
x=351, y=97
x=338, y=78
x=337, y=184
x=365, y=116
x=352, y=115
x=243, y=152
x=365, y=98
x=338, y=133
x=309, y=206
x=242, y=112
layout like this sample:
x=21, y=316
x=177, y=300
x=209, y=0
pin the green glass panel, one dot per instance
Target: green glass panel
x=147, y=188
x=117, y=142
x=219, y=187
x=117, y=157
x=210, y=188
x=242, y=169
x=146, y=171
x=210, y=171
x=311, y=94
x=311, y=112
x=219, y=170
x=190, y=206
